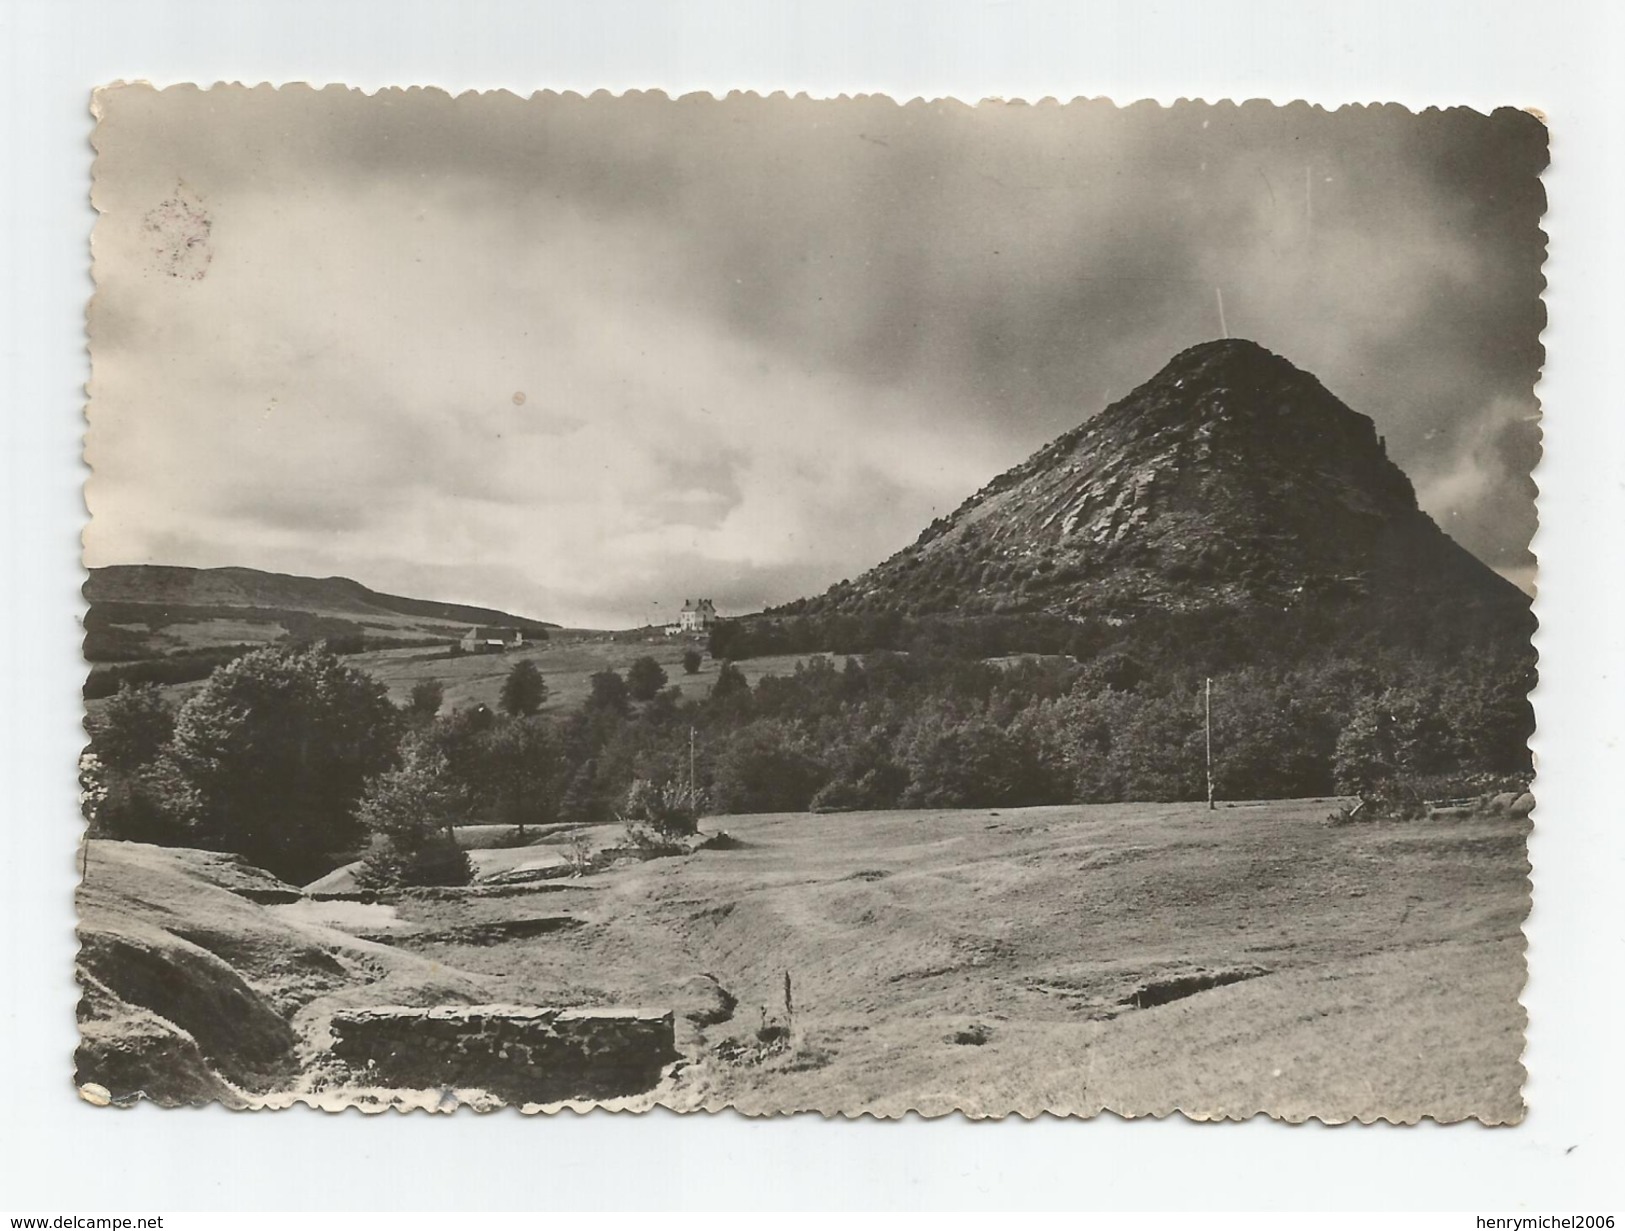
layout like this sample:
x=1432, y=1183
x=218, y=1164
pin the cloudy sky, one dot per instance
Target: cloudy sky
x=581, y=358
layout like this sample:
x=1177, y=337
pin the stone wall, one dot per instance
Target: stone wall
x=520, y=1053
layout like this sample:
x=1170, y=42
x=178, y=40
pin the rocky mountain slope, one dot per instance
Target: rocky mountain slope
x=1230, y=480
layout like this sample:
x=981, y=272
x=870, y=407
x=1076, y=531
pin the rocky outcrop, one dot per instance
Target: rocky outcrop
x=229, y=1021
x=521, y=1054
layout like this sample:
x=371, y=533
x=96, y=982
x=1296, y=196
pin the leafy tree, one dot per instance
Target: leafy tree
x=524, y=691
x=865, y=775
x=1398, y=734
x=767, y=769
x=1077, y=730
x=1267, y=744
x=524, y=770
x=132, y=728
x=427, y=697
x=133, y=790
x=728, y=637
x=1491, y=715
x=1157, y=749
x=970, y=762
x=645, y=678
x=691, y=661
x=582, y=803
x=1121, y=718
x=871, y=791
x=459, y=737
x=276, y=748
x=150, y=804
x=412, y=812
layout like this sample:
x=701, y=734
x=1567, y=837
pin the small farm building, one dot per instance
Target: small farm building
x=480, y=640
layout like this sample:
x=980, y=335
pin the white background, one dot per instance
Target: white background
x=60, y=1155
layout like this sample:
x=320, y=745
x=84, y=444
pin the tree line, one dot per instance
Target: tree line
x=299, y=762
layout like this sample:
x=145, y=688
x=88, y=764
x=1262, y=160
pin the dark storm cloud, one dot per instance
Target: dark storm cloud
x=760, y=341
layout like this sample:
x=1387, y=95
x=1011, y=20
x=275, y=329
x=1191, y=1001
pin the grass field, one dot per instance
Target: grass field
x=567, y=665
x=1039, y=959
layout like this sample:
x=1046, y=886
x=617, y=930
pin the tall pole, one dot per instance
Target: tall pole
x=1207, y=724
x=1223, y=328
x=693, y=786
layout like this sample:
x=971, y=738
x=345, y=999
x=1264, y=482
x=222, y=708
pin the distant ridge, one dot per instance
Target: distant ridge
x=141, y=610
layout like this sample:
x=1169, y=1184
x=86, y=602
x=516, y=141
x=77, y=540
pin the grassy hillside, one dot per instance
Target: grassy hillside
x=567, y=663
x=142, y=611
x=1132, y=957
x=1383, y=962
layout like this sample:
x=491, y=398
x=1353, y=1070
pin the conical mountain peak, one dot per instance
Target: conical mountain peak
x=1231, y=478
x=1229, y=360
x=1251, y=399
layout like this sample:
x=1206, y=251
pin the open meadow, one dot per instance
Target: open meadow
x=1150, y=956
x=567, y=664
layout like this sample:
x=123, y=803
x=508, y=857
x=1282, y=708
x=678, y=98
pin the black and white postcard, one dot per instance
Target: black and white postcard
x=791, y=605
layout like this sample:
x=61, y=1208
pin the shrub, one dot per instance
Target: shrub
x=609, y=694
x=438, y=862
x=663, y=809
x=1392, y=799
x=871, y=791
x=1408, y=797
x=427, y=697
x=578, y=854
x=644, y=679
x=411, y=812
x=691, y=662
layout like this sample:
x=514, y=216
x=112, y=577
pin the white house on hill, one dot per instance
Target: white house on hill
x=479, y=640
x=696, y=616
